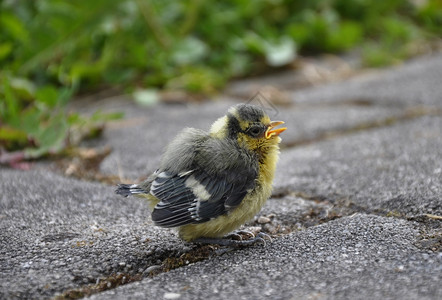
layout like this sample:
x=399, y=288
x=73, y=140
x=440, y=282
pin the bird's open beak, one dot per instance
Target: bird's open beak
x=274, y=132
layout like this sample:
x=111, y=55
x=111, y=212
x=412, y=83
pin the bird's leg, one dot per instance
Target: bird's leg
x=259, y=238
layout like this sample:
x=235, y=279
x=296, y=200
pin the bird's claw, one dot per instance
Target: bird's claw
x=259, y=238
x=238, y=235
x=234, y=236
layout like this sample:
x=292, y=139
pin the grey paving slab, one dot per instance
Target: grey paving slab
x=396, y=168
x=309, y=123
x=357, y=257
x=417, y=82
x=57, y=233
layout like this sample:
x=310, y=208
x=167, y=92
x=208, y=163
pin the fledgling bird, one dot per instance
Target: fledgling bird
x=211, y=183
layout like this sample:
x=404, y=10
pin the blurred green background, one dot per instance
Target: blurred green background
x=52, y=50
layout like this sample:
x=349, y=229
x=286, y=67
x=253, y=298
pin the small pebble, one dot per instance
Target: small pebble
x=171, y=296
x=151, y=269
x=263, y=220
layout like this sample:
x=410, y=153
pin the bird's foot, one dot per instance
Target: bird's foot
x=239, y=235
x=259, y=238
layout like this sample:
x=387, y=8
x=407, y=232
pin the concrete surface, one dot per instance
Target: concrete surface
x=356, y=211
x=358, y=257
x=396, y=168
x=58, y=233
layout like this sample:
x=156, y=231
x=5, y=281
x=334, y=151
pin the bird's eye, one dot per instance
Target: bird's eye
x=255, y=130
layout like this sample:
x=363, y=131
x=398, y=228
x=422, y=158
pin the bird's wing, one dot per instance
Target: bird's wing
x=220, y=178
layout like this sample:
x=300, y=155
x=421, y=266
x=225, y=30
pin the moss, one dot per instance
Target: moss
x=195, y=255
x=432, y=242
x=104, y=284
x=394, y=214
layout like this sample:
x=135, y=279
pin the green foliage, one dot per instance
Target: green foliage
x=47, y=47
x=430, y=16
x=35, y=119
x=108, y=42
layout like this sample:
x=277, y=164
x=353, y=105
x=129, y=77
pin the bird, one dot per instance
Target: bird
x=209, y=184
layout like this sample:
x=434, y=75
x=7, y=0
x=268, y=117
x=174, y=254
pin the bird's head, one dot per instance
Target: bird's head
x=250, y=126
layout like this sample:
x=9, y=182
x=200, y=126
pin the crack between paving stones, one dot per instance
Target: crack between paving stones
x=170, y=260
x=342, y=206
x=322, y=209
x=408, y=115
x=429, y=225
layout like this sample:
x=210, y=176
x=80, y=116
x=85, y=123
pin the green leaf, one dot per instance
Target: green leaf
x=47, y=95
x=254, y=43
x=14, y=26
x=65, y=94
x=30, y=121
x=347, y=35
x=23, y=88
x=74, y=118
x=5, y=50
x=12, y=135
x=50, y=137
x=299, y=32
x=99, y=116
x=10, y=109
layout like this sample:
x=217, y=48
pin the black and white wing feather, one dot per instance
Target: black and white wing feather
x=218, y=180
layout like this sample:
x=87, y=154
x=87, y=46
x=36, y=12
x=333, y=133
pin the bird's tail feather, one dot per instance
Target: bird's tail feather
x=126, y=190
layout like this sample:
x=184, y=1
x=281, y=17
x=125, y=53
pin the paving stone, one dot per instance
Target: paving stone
x=358, y=257
x=57, y=233
x=396, y=169
x=415, y=83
